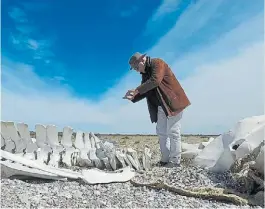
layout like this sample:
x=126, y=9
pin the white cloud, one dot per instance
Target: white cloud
x=222, y=89
x=21, y=39
x=30, y=99
x=206, y=22
x=226, y=91
x=159, y=17
x=228, y=45
x=167, y=7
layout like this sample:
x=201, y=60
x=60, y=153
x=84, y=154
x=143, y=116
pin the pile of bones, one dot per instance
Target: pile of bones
x=239, y=150
x=50, y=156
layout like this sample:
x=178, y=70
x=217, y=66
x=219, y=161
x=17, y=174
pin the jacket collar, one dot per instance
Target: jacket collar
x=147, y=64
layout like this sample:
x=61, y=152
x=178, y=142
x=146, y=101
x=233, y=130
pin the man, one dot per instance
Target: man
x=166, y=101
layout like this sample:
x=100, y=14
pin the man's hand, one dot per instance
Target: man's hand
x=130, y=94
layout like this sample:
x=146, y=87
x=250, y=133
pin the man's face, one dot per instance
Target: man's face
x=139, y=66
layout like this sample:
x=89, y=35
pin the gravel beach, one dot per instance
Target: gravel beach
x=72, y=194
x=59, y=194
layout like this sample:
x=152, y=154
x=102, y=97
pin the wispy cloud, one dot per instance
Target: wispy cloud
x=167, y=7
x=224, y=82
x=203, y=24
x=25, y=38
x=42, y=101
x=18, y=15
x=161, y=16
x=225, y=91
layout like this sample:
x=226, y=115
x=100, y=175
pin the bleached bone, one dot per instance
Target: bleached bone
x=101, y=155
x=188, y=147
x=9, y=169
x=95, y=142
x=72, y=152
x=40, y=166
x=132, y=161
x=43, y=154
x=190, y=154
x=8, y=144
x=239, y=141
x=70, y=156
x=41, y=136
x=12, y=140
x=29, y=156
x=52, y=138
x=92, y=140
x=53, y=142
x=83, y=160
x=87, y=141
x=147, y=158
x=109, y=151
x=190, y=151
x=93, y=157
x=132, y=155
x=55, y=158
x=106, y=162
x=127, y=160
x=79, y=142
x=93, y=176
x=112, y=160
x=120, y=156
x=202, y=145
x=67, y=137
x=248, y=143
x=25, y=134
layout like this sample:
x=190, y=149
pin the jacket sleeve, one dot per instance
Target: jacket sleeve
x=158, y=71
x=138, y=97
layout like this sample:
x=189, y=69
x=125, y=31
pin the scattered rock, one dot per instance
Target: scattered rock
x=71, y=194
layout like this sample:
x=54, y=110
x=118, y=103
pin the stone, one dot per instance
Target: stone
x=259, y=198
x=259, y=163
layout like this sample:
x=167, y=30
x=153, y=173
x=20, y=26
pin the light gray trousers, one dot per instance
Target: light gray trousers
x=168, y=131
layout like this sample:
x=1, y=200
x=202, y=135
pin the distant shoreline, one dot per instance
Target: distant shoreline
x=60, y=133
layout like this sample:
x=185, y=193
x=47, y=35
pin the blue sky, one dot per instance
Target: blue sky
x=66, y=62
x=81, y=43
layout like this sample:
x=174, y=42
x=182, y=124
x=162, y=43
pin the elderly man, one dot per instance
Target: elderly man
x=166, y=101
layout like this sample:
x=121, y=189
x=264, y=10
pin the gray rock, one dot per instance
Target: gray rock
x=259, y=198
